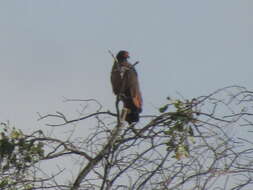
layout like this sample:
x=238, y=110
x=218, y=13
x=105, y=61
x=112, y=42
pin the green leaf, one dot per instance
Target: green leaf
x=3, y=183
x=163, y=109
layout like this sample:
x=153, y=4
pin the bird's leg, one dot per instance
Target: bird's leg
x=124, y=113
x=117, y=108
x=121, y=118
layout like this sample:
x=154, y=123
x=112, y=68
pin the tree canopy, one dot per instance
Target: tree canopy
x=199, y=143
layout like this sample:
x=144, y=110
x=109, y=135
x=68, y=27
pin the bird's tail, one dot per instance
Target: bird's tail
x=132, y=116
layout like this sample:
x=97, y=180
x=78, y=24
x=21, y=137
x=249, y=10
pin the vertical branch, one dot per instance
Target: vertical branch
x=106, y=172
x=114, y=58
x=117, y=109
x=105, y=150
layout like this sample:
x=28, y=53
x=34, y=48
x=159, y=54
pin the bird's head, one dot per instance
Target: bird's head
x=122, y=55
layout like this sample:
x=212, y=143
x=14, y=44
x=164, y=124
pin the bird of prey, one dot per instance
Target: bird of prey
x=125, y=85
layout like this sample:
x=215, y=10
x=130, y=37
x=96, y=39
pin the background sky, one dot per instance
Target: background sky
x=52, y=49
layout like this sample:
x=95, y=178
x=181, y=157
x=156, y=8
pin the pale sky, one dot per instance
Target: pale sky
x=51, y=49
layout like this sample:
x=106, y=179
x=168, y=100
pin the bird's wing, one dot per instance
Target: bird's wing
x=133, y=86
x=116, y=79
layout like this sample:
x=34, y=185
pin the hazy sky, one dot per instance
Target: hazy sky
x=55, y=48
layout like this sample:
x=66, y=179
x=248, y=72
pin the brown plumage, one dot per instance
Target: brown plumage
x=125, y=84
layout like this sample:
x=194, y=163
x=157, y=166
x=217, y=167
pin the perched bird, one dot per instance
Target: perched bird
x=125, y=84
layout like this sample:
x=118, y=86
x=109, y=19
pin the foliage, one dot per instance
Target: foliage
x=18, y=153
x=180, y=132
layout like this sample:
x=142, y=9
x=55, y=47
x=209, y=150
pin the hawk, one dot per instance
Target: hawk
x=125, y=84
